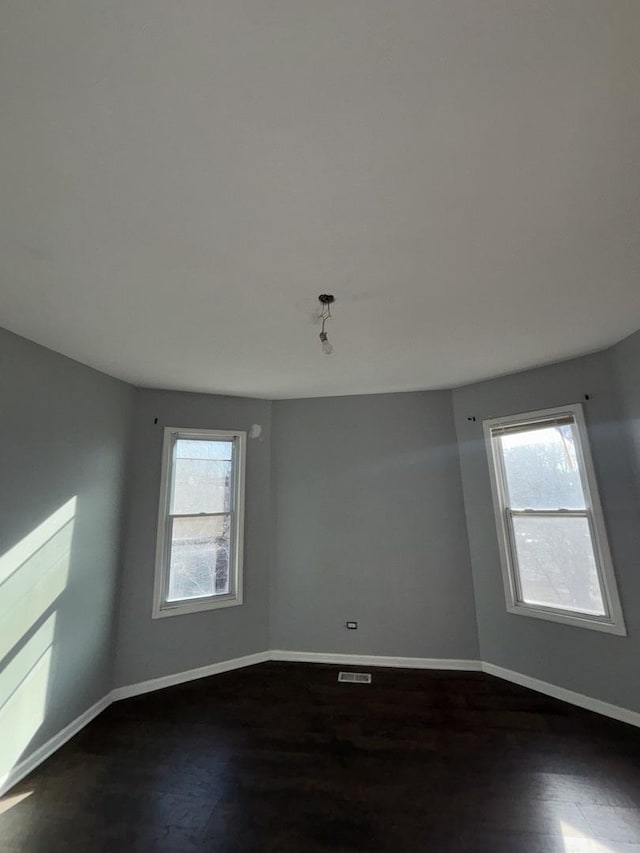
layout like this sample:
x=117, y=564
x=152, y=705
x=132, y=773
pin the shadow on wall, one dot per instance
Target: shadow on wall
x=34, y=575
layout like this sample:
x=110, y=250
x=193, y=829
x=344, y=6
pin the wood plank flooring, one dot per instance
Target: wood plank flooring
x=280, y=757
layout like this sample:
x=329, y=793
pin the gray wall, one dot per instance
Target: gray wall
x=370, y=526
x=148, y=648
x=625, y=360
x=63, y=437
x=600, y=665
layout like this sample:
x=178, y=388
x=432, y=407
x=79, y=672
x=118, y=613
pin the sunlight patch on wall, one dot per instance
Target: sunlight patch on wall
x=39, y=536
x=34, y=573
x=24, y=685
x=576, y=841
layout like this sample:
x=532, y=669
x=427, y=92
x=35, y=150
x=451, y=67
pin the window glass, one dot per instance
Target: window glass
x=541, y=468
x=557, y=566
x=199, y=557
x=201, y=477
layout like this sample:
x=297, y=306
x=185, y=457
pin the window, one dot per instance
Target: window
x=553, y=545
x=200, y=524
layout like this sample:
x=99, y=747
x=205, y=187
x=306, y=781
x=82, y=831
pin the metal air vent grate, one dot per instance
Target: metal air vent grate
x=355, y=677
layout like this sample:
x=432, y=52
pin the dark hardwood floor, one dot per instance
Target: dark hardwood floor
x=280, y=757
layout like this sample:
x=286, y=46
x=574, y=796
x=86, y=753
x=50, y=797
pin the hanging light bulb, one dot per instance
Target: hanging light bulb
x=326, y=300
x=327, y=346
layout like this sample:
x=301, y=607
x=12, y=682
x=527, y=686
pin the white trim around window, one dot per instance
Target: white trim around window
x=507, y=516
x=231, y=516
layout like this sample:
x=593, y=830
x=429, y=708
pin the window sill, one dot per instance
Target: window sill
x=197, y=606
x=567, y=618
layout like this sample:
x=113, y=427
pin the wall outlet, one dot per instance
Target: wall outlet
x=351, y=626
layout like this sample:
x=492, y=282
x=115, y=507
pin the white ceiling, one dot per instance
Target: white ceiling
x=180, y=180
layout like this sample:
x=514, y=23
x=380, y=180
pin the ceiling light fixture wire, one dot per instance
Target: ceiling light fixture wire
x=326, y=300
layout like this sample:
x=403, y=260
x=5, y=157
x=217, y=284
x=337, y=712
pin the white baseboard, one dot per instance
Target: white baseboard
x=598, y=706
x=376, y=660
x=188, y=675
x=24, y=767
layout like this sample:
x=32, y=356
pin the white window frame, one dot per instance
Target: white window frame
x=161, y=606
x=613, y=621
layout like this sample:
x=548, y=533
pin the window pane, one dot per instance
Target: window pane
x=556, y=563
x=201, y=477
x=199, y=563
x=541, y=468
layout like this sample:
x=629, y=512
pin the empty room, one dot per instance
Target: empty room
x=320, y=426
